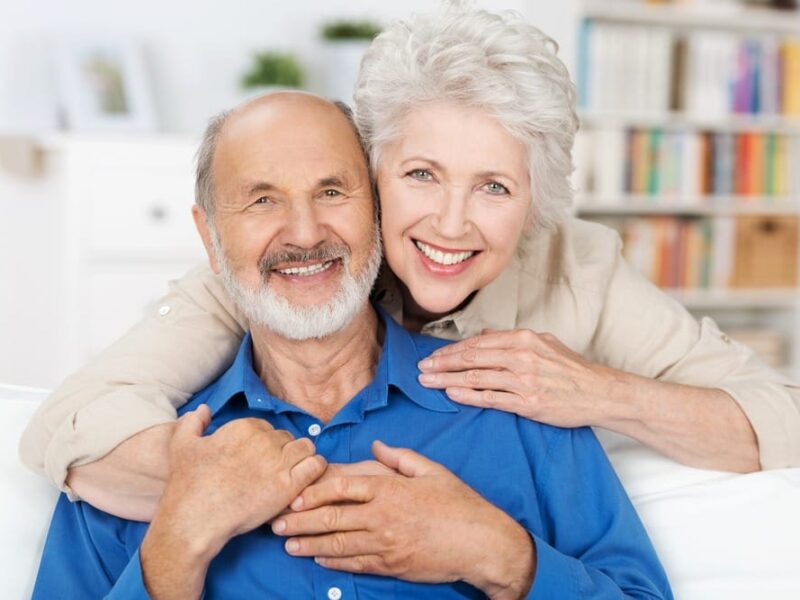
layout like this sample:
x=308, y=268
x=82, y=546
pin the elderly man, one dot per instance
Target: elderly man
x=492, y=504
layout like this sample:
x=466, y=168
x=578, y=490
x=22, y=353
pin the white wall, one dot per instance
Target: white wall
x=196, y=51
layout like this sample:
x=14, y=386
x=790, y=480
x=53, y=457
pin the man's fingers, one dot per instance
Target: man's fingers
x=325, y=519
x=370, y=563
x=307, y=471
x=296, y=450
x=407, y=462
x=334, y=545
x=365, y=467
x=192, y=424
x=336, y=489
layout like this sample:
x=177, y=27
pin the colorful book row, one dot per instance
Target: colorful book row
x=645, y=70
x=656, y=162
x=711, y=253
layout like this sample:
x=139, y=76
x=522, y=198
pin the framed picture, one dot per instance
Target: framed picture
x=103, y=86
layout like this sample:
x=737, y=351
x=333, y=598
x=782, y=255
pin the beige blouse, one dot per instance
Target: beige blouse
x=571, y=282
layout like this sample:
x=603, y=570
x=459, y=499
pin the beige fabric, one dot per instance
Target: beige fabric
x=571, y=282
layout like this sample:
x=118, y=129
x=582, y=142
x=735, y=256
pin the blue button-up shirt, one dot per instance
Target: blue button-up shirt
x=557, y=483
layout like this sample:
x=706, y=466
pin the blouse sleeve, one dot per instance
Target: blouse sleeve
x=184, y=342
x=644, y=331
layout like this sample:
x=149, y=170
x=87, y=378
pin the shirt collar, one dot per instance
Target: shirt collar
x=396, y=367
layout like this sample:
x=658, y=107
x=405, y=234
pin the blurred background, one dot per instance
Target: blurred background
x=689, y=147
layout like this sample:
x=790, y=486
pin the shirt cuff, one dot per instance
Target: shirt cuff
x=130, y=584
x=774, y=413
x=555, y=573
x=96, y=430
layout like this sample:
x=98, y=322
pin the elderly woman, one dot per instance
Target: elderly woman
x=469, y=120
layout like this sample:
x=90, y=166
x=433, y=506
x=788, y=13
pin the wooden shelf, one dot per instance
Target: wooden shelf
x=771, y=298
x=701, y=206
x=726, y=17
x=686, y=122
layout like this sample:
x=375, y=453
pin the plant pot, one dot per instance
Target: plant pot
x=342, y=61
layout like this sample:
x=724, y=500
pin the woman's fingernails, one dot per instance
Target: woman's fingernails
x=425, y=364
x=427, y=378
x=279, y=526
x=292, y=546
x=297, y=503
x=454, y=393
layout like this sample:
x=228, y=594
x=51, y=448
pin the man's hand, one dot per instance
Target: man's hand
x=220, y=486
x=420, y=523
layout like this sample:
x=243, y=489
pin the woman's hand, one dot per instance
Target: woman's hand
x=533, y=375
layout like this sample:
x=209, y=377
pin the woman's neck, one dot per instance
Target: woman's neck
x=415, y=317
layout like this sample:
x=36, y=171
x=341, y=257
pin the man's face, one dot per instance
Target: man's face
x=294, y=216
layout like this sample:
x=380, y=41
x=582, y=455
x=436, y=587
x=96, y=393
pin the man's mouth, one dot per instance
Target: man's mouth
x=443, y=257
x=306, y=270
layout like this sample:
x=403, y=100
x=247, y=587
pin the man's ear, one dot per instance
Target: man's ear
x=201, y=222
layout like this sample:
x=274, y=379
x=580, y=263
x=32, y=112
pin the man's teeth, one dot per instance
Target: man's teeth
x=306, y=271
x=443, y=258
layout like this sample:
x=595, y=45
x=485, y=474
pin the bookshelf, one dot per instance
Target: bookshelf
x=690, y=147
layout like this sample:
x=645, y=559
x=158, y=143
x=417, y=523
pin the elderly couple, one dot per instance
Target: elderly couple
x=328, y=447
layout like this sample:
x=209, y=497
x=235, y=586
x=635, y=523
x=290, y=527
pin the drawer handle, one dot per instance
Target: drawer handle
x=158, y=213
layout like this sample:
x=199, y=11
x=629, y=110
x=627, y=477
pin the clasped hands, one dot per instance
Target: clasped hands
x=401, y=515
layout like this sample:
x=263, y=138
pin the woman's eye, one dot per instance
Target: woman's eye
x=496, y=188
x=421, y=175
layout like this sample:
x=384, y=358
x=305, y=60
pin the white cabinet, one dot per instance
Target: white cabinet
x=119, y=228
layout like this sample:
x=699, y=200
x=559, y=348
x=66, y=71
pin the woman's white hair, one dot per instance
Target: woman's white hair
x=496, y=62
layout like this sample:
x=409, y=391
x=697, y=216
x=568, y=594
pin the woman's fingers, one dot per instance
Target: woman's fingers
x=473, y=358
x=490, y=399
x=476, y=379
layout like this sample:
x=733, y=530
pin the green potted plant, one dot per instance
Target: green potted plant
x=272, y=71
x=345, y=42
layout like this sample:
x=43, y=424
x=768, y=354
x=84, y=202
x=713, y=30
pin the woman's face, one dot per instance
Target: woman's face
x=455, y=198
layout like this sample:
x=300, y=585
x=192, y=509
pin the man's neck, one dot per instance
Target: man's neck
x=319, y=375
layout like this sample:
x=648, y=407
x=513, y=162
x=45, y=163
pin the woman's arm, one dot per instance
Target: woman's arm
x=652, y=372
x=133, y=386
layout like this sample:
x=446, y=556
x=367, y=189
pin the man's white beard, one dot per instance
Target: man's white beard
x=266, y=308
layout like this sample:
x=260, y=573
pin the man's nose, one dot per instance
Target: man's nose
x=452, y=221
x=303, y=227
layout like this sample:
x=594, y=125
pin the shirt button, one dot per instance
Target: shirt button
x=314, y=430
x=334, y=593
x=164, y=310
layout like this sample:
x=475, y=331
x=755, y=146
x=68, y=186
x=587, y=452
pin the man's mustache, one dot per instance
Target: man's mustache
x=322, y=253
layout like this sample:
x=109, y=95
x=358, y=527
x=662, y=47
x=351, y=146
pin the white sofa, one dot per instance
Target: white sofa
x=720, y=536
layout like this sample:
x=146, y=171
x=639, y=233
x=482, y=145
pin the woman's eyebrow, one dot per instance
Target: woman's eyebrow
x=501, y=174
x=430, y=161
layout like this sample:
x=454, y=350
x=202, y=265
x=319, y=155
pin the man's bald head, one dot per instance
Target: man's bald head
x=295, y=109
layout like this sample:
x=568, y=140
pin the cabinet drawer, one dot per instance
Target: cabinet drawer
x=142, y=212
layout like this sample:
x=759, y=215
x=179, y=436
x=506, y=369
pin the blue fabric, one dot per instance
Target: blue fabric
x=557, y=483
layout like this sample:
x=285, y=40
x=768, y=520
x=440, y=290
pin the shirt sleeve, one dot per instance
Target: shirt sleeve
x=593, y=544
x=642, y=330
x=85, y=556
x=184, y=342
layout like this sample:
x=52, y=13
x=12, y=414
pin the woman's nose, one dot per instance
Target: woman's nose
x=452, y=220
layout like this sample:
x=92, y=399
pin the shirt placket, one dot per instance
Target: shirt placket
x=334, y=444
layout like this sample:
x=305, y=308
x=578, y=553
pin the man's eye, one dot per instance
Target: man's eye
x=421, y=175
x=263, y=200
x=495, y=188
x=332, y=193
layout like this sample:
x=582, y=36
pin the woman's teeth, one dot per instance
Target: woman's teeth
x=306, y=271
x=443, y=258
